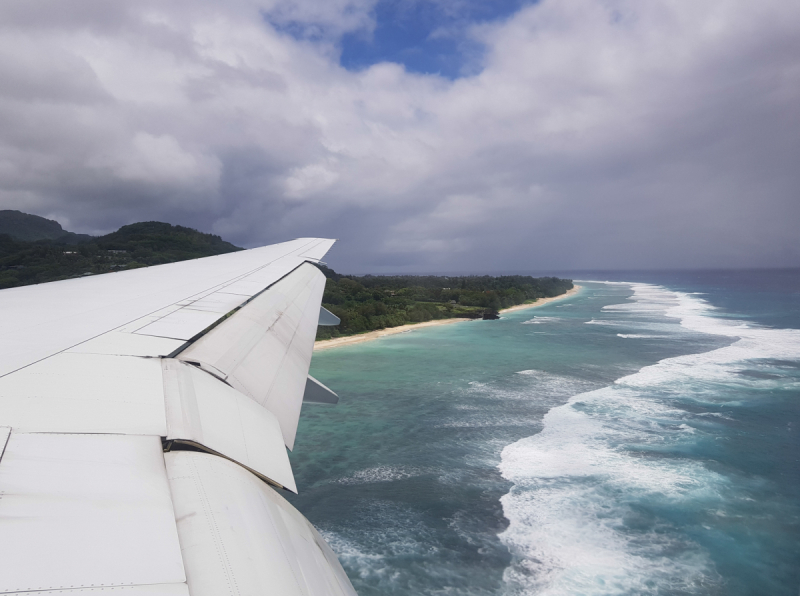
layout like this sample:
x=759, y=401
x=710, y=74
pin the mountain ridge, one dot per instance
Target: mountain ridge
x=34, y=249
x=31, y=228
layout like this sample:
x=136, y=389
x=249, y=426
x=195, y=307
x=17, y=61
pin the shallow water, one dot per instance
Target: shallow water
x=637, y=438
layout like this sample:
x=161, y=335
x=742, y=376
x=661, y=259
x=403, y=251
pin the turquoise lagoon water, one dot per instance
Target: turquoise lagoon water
x=638, y=438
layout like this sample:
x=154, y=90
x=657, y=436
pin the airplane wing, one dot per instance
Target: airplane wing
x=144, y=421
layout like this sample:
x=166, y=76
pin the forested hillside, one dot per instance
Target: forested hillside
x=27, y=227
x=369, y=302
x=136, y=245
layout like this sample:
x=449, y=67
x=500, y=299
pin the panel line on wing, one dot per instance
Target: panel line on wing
x=221, y=320
x=5, y=432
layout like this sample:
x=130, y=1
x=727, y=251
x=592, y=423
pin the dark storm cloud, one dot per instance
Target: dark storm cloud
x=594, y=135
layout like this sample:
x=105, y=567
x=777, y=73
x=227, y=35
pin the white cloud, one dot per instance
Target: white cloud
x=311, y=179
x=597, y=134
x=160, y=160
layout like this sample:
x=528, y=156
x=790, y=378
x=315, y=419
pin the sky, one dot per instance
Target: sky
x=426, y=135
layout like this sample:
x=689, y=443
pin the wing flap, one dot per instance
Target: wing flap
x=264, y=349
x=146, y=590
x=233, y=527
x=204, y=411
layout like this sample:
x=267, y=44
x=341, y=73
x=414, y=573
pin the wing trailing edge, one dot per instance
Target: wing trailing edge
x=264, y=349
x=204, y=412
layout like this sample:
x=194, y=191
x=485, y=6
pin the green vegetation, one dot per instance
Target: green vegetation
x=369, y=302
x=24, y=262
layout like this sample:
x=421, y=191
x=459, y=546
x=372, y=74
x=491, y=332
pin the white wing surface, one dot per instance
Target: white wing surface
x=131, y=400
x=219, y=546
x=85, y=510
x=265, y=350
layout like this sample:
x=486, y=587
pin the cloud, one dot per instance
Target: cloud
x=594, y=133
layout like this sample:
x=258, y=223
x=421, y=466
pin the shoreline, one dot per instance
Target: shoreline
x=542, y=301
x=326, y=344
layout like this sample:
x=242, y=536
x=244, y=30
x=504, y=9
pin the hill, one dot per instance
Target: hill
x=52, y=257
x=30, y=228
x=155, y=242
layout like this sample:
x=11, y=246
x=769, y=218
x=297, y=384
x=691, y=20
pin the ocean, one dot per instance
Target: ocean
x=640, y=437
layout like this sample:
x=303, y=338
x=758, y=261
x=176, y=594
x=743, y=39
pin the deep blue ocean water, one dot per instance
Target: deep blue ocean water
x=638, y=438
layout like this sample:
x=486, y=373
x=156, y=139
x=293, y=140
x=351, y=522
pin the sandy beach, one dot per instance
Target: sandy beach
x=326, y=344
x=543, y=301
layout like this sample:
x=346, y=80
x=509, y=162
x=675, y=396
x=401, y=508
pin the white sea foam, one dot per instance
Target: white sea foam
x=363, y=563
x=751, y=343
x=380, y=474
x=488, y=420
x=383, y=532
x=578, y=481
x=641, y=336
x=537, y=384
x=574, y=486
x=540, y=320
x=642, y=324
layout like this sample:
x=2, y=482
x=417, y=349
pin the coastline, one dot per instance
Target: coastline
x=326, y=344
x=542, y=301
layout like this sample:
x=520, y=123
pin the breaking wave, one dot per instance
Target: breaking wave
x=584, y=488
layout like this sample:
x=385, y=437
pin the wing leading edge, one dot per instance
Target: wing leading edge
x=215, y=374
